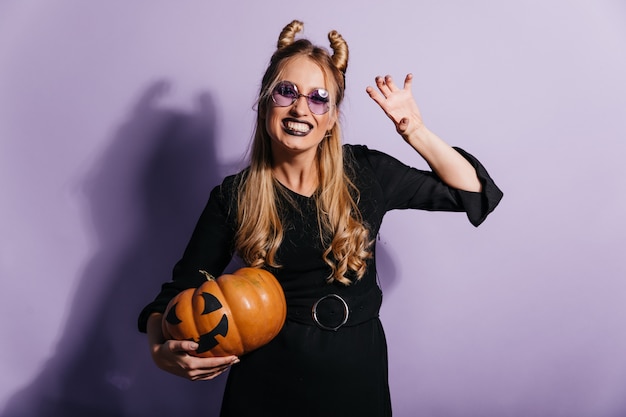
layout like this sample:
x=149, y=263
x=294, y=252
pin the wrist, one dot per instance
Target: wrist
x=418, y=137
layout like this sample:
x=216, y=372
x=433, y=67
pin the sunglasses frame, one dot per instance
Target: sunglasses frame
x=308, y=97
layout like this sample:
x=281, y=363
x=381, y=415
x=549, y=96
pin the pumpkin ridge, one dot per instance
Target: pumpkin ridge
x=234, y=293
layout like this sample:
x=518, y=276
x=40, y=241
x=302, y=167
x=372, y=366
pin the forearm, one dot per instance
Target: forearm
x=446, y=162
x=154, y=330
x=399, y=105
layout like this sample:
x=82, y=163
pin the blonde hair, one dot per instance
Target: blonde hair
x=342, y=232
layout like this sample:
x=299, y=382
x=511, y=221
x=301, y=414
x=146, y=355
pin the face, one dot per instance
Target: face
x=295, y=129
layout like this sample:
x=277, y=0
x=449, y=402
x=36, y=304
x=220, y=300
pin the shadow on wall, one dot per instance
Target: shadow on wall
x=144, y=197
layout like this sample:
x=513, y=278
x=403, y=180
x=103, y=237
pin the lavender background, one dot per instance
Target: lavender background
x=117, y=117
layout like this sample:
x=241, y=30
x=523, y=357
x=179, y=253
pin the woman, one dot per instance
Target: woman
x=308, y=209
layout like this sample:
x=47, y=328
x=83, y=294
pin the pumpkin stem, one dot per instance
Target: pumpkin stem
x=208, y=276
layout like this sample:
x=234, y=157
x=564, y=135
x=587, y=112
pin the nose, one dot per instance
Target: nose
x=300, y=106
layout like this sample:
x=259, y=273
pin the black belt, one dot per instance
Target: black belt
x=333, y=311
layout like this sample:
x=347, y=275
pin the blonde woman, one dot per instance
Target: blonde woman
x=308, y=209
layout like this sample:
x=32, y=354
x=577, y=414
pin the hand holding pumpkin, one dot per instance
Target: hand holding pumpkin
x=176, y=356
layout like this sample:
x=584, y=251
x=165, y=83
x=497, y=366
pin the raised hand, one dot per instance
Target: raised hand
x=398, y=104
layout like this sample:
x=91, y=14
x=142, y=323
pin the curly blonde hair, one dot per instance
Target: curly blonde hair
x=343, y=235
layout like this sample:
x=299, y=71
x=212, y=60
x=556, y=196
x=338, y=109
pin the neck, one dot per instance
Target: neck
x=299, y=176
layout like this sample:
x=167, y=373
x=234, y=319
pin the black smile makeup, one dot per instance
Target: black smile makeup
x=296, y=127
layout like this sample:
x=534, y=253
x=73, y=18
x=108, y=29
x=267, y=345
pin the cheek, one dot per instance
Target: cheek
x=272, y=122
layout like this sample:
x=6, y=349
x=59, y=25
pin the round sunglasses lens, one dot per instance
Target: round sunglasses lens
x=284, y=94
x=318, y=101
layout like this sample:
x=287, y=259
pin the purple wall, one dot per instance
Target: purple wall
x=116, y=118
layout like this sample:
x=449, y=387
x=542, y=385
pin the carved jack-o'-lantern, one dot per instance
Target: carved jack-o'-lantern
x=231, y=315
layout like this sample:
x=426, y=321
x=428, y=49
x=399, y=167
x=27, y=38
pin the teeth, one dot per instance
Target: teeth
x=298, y=127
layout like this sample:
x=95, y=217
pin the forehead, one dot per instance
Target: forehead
x=305, y=73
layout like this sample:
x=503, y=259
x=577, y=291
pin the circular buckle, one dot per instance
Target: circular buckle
x=346, y=312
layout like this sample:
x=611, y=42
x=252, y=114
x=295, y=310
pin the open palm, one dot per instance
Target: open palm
x=397, y=103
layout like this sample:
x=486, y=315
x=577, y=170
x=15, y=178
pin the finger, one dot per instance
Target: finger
x=223, y=360
x=204, y=374
x=390, y=84
x=408, y=81
x=182, y=346
x=382, y=85
x=207, y=376
x=374, y=95
x=209, y=364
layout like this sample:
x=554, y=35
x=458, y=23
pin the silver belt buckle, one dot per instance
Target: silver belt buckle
x=346, y=312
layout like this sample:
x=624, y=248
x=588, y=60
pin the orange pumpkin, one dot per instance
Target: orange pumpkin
x=231, y=315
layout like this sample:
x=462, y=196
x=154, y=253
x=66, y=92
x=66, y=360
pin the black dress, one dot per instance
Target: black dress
x=311, y=369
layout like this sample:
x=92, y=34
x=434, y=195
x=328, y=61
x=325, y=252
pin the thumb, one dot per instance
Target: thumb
x=403, y=125
x=184, y=346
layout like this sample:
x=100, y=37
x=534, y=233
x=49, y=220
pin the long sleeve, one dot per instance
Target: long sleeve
x=404, y=187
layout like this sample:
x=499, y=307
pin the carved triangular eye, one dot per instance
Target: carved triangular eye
x=211, y=303
x=171, y=317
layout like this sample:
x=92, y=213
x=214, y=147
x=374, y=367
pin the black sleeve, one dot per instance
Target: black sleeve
x=405, y=187
x=210, y=248
x=479, y=205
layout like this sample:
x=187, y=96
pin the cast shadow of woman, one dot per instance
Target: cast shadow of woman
x=143, y=196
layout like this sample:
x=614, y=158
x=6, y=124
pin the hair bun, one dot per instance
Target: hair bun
x=288, y=34
x=340, y=50
x=337, y=43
